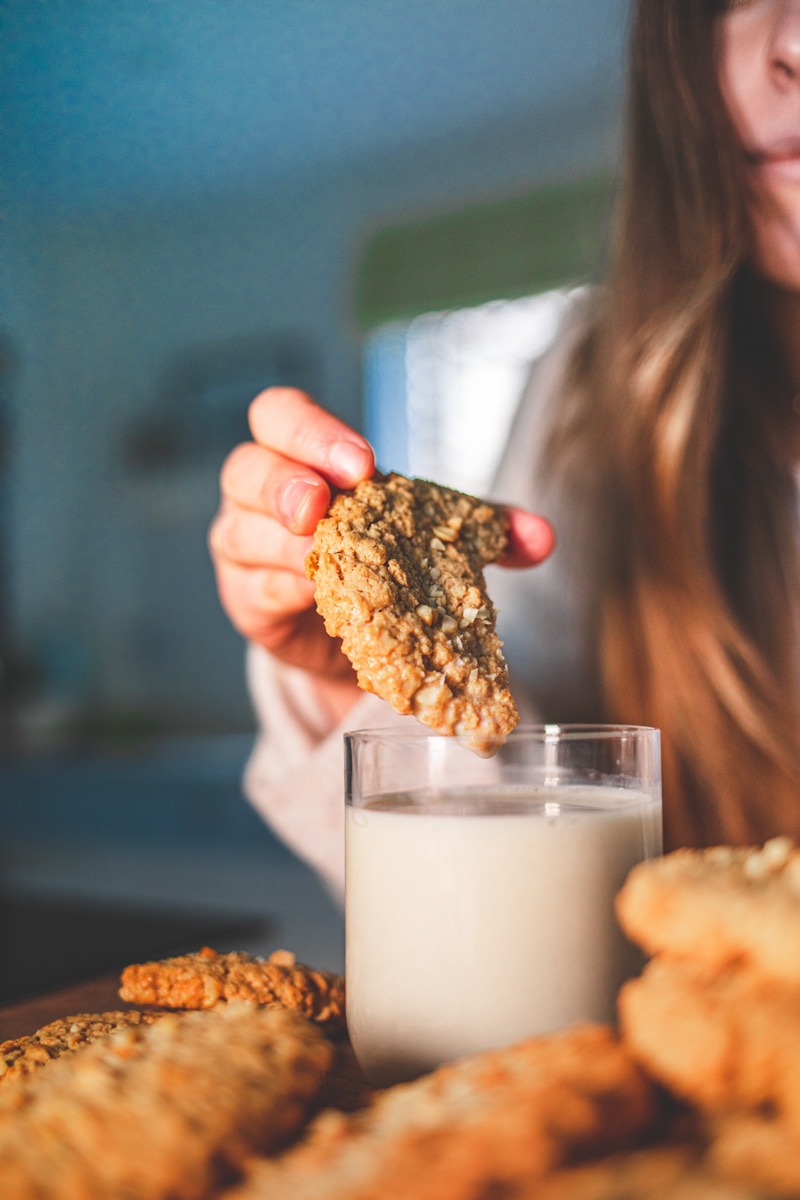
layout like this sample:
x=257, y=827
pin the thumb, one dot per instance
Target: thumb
x=531, y=539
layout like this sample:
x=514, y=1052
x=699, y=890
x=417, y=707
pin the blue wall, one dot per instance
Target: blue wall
x=110, y=582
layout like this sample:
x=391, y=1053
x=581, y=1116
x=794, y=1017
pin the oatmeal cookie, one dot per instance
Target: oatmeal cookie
x=171, y=1110
x=719, y=907
x=486, y=1125
x=207, y=978
x=673, y=1172
x=21, y=1056
x=725, y=1043
x=758, y=1149
x=398, y=566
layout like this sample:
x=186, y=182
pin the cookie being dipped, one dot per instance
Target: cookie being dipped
x=398, y=567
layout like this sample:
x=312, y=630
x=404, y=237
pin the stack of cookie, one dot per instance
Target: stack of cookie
x=200, y=1103
x=715, y=1016
x=236, y=1094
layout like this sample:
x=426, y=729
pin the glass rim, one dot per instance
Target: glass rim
x=568, y=731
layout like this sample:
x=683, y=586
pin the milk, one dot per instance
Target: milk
x=481, y=919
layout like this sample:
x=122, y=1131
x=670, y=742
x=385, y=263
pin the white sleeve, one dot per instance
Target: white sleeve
x=546, y=614
x=295, y=774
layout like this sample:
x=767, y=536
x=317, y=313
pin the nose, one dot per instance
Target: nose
x=785, y=40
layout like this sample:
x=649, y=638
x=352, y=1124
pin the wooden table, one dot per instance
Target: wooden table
x=345, y=1087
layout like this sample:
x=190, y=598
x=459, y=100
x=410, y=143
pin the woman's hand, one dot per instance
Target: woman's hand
x=530, y=539
x=274, y=491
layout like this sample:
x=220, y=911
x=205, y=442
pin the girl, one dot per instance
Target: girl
x=661, y=435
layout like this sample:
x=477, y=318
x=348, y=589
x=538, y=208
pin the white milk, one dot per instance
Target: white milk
x=476, y=924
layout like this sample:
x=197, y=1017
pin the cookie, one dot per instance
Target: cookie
x=21, y=1056
x=759, y=1150
x=171, y=1110
x=484, y=1126
x=398, y=567
x=725, y=1043
x=657, y=1173
x=719, y=907
x=205, y=979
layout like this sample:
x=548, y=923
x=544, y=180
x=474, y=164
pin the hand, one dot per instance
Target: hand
x=530, y=539
x=274, y=491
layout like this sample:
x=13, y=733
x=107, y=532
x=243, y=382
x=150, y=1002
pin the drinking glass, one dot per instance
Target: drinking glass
x=479, y=903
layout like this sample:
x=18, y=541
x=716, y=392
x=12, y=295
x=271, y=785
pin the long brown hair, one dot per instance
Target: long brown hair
x=698, y=573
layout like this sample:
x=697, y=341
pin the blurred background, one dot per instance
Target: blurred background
x=381, y=201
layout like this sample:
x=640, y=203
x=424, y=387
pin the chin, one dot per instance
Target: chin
x=776, y=256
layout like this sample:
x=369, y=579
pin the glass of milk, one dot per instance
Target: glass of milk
x=479, y=904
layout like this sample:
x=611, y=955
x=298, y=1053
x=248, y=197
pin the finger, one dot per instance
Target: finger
x=260, y=600
x=296, y=637
x=251, y=539
x=530, y=539
x=262, y=481
x=304, y=643
x=289, y=422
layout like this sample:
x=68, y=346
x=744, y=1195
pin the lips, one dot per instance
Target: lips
x=780, y=152
x=780, y=159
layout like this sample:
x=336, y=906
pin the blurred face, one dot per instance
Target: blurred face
x=759, y=65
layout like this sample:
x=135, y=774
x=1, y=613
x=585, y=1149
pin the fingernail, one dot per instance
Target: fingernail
x=349, y=461
x=293, y=499
x=536, y=532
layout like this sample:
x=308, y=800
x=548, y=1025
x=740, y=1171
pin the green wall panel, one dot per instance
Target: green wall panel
x=550, y=237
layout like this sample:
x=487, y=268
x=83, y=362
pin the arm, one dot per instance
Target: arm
x=274, y=491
